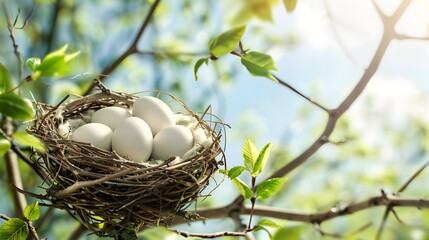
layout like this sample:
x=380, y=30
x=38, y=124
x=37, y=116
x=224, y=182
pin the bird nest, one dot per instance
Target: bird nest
x=108, y=193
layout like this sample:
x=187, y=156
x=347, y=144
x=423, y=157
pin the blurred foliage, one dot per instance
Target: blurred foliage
x=374, y=150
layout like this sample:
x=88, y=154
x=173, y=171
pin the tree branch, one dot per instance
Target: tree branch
x=131, y=49
x=10, y=27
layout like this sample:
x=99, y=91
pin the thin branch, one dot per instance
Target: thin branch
x=10, y=27
x=167, y=54
x=379, y=11
x=383, y=223
x=212, y=235
x=33, y=231
x=27, y=19
x=4, y=217
x=408, y=182
x=285, y=84
x=131, y=49
x=407, y=37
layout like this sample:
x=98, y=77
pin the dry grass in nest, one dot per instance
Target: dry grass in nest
x=107, y=193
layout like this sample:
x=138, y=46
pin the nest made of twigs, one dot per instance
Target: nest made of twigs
x=108, y=193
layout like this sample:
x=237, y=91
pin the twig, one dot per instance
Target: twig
x=212, y=235
x=383, y=222
x=131, y=49
x=32, y=230
x=407, y=37
x=4, y=217
x=10, y=27
x=408, y=182
x=166, y=54
x=285, y=84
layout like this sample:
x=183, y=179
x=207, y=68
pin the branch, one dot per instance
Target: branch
x=210, y=235
x=13, y=172
x=408, y=182
x=50, y=35
x=407, y=37
x=301, y=94
x=10, y=27
x=131, y=49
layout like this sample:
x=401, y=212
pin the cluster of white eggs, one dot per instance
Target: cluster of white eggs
x=150, y=130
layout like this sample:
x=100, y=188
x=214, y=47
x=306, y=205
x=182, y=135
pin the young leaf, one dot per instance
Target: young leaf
x=262, y=160
x=198, y=65
x=50, y=66
x=290, y=5
x=242, y=188
x=226, y=42
x=268, y=223
x=261, y=228
x=250, y=154
x=4, y=146
x=32, y=211
x=26, y=139
x=259, y=64
x=16, y=107
x=269, y=187
x=235, y=171
x=14, y=229
x=6, y=83
x=33, y=63
x=224, y=171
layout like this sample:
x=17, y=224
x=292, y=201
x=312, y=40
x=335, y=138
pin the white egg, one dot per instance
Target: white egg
x=132, y=139
x=97, y=134
x=64, y=130
x=154, y=112
x=172, y=141
x=110, y=116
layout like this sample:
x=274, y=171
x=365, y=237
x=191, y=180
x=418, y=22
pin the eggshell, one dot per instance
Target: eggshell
x=172, y=141
x=97, y=134
x=110, y=116
x=132, y=139
x=154, y=112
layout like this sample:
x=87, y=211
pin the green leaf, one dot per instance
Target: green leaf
x=14, y=229
x=26, y=139
x=259, y=64
x=242, y=188
x=4, y=146
x=291, y=232
x=262, y=160
x=269, y=187
x=226, y=42
x=250, y=154
x=198, y=65
x=268, y=223
x=16, y=107
x=259, y=228
x=54, y=63
x=290, y=5
x=50, y=66
x=224, y=171
x=33, y=63
x=235, y=171
x=6, y=83
x=32, y=211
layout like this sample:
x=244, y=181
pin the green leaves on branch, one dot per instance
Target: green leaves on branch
x=18, y=229
x=261, y=225
x=16, y=107
x=259, y=64
x=53, y=64
x=226, y=42
x=223, y=44
x=254, y=160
